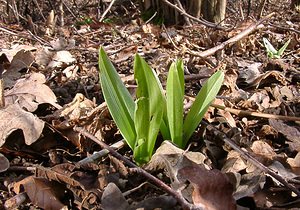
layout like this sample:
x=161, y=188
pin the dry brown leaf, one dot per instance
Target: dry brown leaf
x=263, y=149
x=41, y=192
x=13, y=118
x=212, y=190
x=170, y=157
x=4, y=163
x=291, y=133
x=21, y=60
x=113, y=199
x=294, y=162
x=30, y=92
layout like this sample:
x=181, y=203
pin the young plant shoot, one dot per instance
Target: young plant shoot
x=140, y=122
x=271, y=51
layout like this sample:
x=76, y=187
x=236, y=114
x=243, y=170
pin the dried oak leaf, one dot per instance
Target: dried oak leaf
x=21, y=60
x=30, y=92
x=13, y=117
x=41, y=192
x=211, y=188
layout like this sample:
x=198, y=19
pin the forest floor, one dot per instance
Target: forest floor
x=245, y=154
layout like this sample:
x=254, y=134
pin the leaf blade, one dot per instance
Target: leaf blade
x=204, y=98
x=118, y=98
x=149, y=111
x=175, y=96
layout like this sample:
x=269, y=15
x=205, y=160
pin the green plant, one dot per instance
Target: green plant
x=139, y=122
x=271, y=51
x=180, y=130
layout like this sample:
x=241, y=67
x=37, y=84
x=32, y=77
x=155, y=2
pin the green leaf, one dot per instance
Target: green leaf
x=271, y=51
x=175, y=96
x=204, y=98
x=119, y=101
x=282, y=49
x=149, y=110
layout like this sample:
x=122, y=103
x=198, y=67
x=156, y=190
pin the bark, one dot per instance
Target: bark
x=211, y=10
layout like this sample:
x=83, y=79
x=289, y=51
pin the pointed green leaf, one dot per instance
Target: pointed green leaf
x=282, y=49
x=149, y=111
x=119, y=101
x=269, y=47
x=175, y=96
x=204, y=98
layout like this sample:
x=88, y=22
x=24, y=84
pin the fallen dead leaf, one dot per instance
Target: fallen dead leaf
x=13, y=117
x=291, y=133
x=41, y=192
x=30, y=92
x=4, y=163
x=211, y=188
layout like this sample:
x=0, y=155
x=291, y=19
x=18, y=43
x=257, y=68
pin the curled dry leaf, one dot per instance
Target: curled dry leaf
x=41, y=192
x=170, y=157
x=263, y=149
x=31, y=126
x=21, y=60
x=211, y=188
x=30, y=92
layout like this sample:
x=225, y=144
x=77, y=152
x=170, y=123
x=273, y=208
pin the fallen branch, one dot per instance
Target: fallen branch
x=234, y=39
x=242, y=113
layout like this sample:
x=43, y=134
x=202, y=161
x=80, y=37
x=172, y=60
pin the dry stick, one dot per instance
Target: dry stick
x=204, y=22
x=256, y=114
x=106, y=11
x=2, y=99
x=165, y=187
x=97, y=155
x=234, y=39
x=187, y=20
x=247, y=156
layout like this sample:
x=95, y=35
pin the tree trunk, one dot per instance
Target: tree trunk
x=211, y=10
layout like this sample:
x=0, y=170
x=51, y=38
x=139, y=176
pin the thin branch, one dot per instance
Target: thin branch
x=106, y=11
x=234, y=39
x=256, y=114
x=161, y=184
x=204, y=22
x=97, y=155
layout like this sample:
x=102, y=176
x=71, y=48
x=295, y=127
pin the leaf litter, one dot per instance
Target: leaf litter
x=52, y=85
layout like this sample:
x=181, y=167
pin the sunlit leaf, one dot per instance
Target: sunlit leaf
x=204, y=98
x=118, y=99
x=283, y=48
x=149, y=110
x=269, y=47
x=175, y=96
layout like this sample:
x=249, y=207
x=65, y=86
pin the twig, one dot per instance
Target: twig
x=96, y=156
x=204, y=22
x=248, y=157
x=170, y=38
x=106, y=11
x=234, y=39
x=2, y=99
x=165, y=187
x=187, y=20
x=256, y=114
